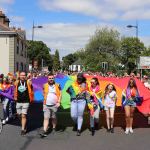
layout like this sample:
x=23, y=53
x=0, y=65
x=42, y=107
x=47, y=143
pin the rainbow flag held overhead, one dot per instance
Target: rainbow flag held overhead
x=66, y=81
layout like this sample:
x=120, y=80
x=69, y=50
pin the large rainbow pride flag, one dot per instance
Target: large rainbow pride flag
x=120, y=84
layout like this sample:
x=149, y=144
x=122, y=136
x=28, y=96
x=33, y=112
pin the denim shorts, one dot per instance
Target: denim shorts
x=130, y=103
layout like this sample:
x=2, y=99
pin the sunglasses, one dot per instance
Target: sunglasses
x=51, y=78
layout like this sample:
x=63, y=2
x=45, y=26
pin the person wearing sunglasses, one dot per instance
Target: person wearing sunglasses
x=78, y=93
x=52, y=97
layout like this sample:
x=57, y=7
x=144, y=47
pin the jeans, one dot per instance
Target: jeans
x=95, y=117
x=77, y=111
x=6, y=102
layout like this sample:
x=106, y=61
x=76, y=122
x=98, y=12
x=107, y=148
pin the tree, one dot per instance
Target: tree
x=37, y=50
x=131, y=49
x=68, y=60
x=56, y=61
x=103, y=47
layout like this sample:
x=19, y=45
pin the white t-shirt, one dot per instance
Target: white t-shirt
x=51, y=97
x=109, y=99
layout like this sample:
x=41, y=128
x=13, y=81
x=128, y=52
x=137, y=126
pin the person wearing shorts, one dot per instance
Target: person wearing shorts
x=52, y=97
x=23, y=96
x=129, y=103
x=110, y=98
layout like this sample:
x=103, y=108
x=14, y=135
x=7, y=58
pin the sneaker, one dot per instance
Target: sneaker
x=108, y=130
x=127, y=131
x=78, y=132
x=131, y=130
x=43, y=134
x=23, y=132
x=92, y=131
x=112, y=130
x=4, y=122
x=7, y=119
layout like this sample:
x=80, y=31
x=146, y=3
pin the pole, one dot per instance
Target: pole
x=137, y=28
x=33, y=31
x=141, y=74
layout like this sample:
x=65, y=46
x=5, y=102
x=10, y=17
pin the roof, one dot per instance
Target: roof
x=78, y=62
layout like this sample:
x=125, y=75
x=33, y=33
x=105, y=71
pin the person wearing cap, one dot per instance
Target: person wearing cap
x=52, y=99
x=78, y=93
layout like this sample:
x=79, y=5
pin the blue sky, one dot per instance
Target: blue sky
x=68, y=24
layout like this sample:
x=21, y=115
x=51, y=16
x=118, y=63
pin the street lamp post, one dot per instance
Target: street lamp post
x=137, y=32
x=33, y=27
x=134, y=26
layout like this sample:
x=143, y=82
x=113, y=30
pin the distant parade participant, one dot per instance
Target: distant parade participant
x=52, y=99
x=5, y=100
x=95, y=104
x=110, y=98
x=23, y=96
x=78, y=93
x=130, y=96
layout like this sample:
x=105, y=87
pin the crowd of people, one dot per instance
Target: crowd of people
x=81, y=94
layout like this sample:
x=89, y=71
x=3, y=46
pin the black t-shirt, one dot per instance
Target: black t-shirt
x=23, y=94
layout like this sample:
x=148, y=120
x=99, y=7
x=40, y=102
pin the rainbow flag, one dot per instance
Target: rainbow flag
x=120, y=84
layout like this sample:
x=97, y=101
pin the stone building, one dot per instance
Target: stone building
x=13, y=47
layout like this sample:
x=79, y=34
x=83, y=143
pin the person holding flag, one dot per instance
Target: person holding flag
x=94, y=104
x=52, y=99
x=78, y=92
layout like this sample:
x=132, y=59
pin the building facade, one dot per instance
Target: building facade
x=13, y=48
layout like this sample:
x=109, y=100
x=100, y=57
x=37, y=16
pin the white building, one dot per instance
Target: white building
x=13, y=52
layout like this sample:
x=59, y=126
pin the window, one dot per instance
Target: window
x=22, y=48
x=21, y=66
x=17, y=66
x=17, y=46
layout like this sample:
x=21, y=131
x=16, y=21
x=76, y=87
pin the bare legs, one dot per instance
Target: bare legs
x=129, y=111
x=110, y=118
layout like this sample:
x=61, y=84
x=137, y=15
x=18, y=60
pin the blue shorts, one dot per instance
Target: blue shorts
x=130, y=103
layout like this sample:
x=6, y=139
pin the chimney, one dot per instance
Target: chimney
x=19, y=29
x=2, y=17
x=6, y=22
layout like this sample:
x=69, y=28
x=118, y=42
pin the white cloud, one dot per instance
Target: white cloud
x=6, y=1
x=17, y=19
x=4, y=4
x=68, y=38
x=103, y=9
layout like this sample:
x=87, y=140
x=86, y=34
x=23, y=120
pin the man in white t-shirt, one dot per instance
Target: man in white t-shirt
x=52, y=97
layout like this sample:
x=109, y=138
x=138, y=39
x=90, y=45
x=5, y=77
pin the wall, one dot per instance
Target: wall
x=4, y=54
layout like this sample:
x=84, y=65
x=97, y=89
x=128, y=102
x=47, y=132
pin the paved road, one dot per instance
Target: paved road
x=66, y=139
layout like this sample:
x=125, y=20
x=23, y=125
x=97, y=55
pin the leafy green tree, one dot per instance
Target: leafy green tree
x=102, y=47
x=146, y=52
x=37, y=50
x=68, y=60
x=131, y=49
x=56, y=61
